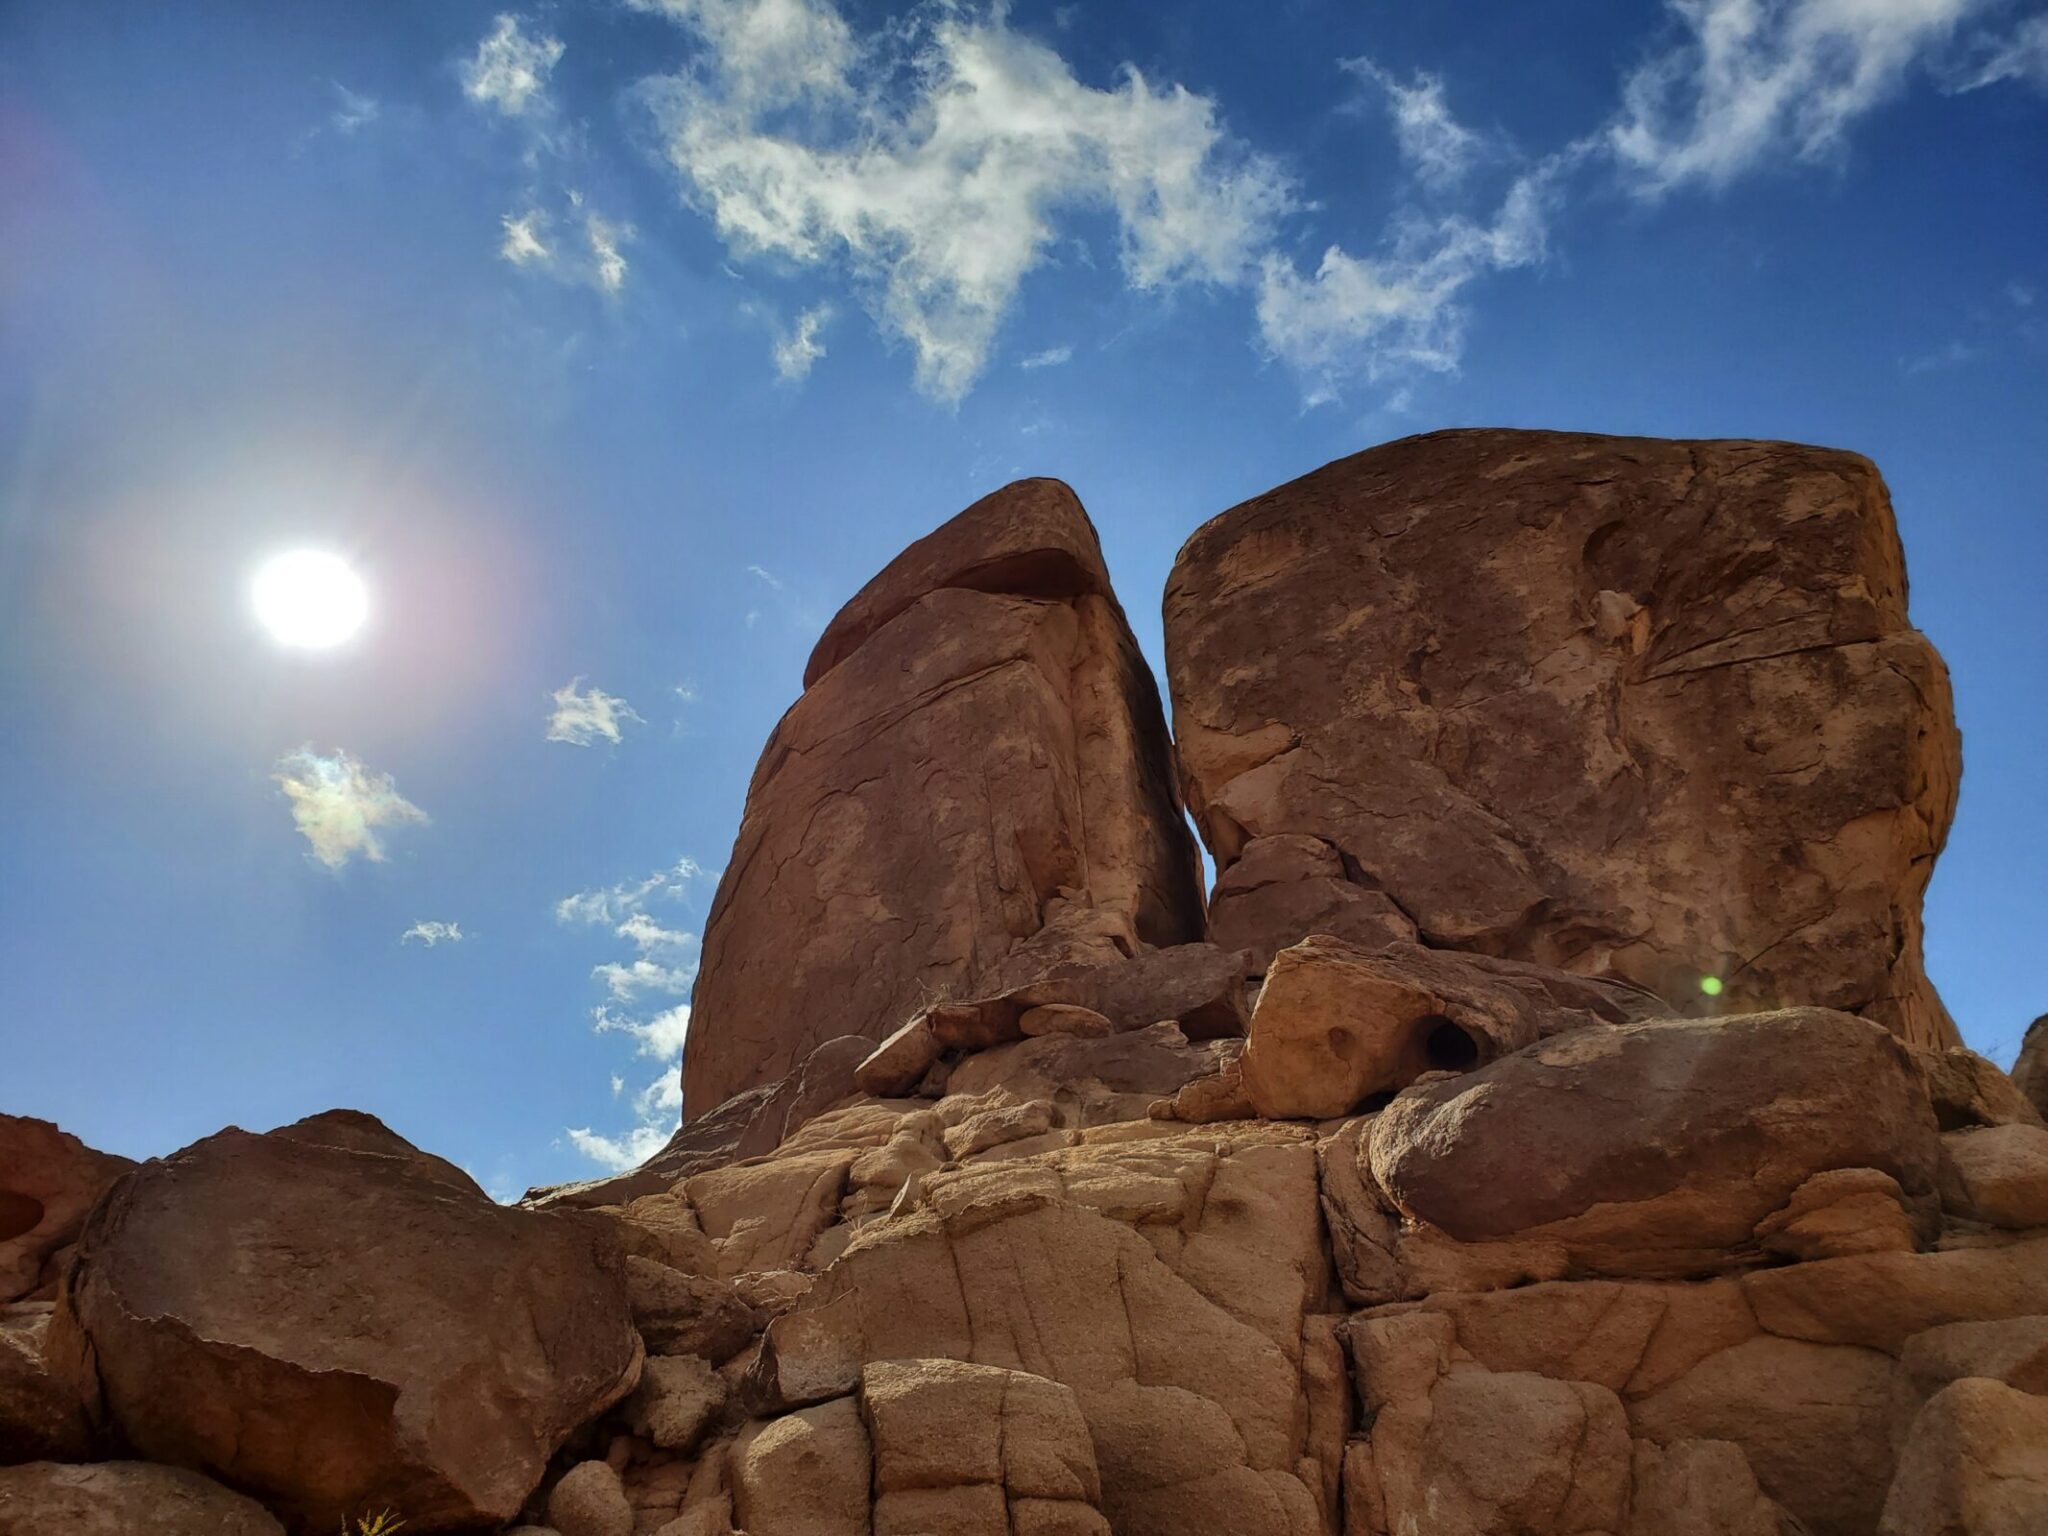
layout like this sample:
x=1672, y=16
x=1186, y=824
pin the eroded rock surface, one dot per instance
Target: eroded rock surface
x=1613, y=705
x=348, y=1323
x=49, y=1179
x=978, y=739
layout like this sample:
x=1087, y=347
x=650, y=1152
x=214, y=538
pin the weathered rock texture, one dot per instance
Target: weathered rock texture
x=2030, y=1071
x=1010, y=1228
x=1613, y=705
x=49, y=1179
x=332, y=1320
x=978, y=740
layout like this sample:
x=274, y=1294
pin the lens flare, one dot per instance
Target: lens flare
x=1711, y=985
x=309, y=599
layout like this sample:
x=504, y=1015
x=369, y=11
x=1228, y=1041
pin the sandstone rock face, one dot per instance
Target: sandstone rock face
x=978, y=736
x=1657, y=1148
x=350, y=1325
x=1336, y=1024
x=42, y=1418
x=2030, y=1071
x=49, y=1179
x=1612, y=705
x=1024, y=1220
x=123, y=1498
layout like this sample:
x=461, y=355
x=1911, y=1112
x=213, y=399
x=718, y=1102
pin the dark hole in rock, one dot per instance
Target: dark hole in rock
x=1446, y=1045
x=18, y=1214
x=1373, y=1103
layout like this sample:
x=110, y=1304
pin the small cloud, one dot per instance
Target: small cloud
x=354, y=111
x=1953, y=355
x=524, y=243
x=581, y=717
x=618, y=904
x=1438, y=147
x=1051, y=357
x=510, y=70
x=340, y=806
x=2023, y=55
x=1749, y=86
x=795, y=353
x=765, y=575
x=618, y=1085
x=2020, y=295
x=608, y=267
x=432, y=933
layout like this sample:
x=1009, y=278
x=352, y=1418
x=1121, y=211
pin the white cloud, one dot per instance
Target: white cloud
x=658, y=1106
x=1374, y=316
x=935, y=159
x=1051, y=357
x=608, y=267
x=524, y=243
x=619, y=904
x=666, y=961
x=340, y=806
x=581, y=717
x=510, y=70
x=2021, y=55
x=1752, y=83
x=432, y=933
x=1439, y=147
x=354, y=111
x=763, y=574
x=795, y=353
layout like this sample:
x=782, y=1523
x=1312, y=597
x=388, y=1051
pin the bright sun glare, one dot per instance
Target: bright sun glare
x=309, y=599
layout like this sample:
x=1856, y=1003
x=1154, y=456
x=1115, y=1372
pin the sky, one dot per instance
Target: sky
x=614, y=343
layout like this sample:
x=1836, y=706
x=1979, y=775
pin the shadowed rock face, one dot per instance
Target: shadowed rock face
x=1615, y=705
x=334, y=1321
x=979, y=740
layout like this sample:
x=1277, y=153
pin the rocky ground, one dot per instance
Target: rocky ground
x=1544, y=1126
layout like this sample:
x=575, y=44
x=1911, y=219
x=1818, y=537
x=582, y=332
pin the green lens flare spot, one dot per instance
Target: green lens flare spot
x=1711, y=985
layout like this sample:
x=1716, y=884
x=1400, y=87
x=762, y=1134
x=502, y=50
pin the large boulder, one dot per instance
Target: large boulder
x=1659, y=1149
x=978, y=742
x=42, y=1416
x=49, y=1179
x=332, y=1320
x=1612, y=705
x=123, y=1498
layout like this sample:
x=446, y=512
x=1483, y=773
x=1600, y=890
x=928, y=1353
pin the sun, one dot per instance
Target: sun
x=309, y=599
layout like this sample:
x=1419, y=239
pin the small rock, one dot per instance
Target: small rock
x=590, y=1501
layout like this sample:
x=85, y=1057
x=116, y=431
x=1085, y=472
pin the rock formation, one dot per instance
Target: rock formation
x=49, y=1180
x=978, y=763
x=1414, y=1201
x=1614, y=705
x=334, y=1321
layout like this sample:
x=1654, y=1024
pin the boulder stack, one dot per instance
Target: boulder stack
x=1428, y=1194
x=1613, y=705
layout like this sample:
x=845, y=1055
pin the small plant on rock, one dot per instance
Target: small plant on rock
x=383, y=1523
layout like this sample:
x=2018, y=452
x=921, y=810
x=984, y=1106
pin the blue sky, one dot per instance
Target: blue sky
x=615, y=344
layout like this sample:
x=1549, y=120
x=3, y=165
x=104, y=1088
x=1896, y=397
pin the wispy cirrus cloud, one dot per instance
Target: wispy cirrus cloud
x=584, y=716
x=341, y=807
x=664, y=961
x=509, y=71
x=1436, y=146
x=798, y=350
x=1754, y=84
x=1051, y=357
x=431, y=933
x=934, y=161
